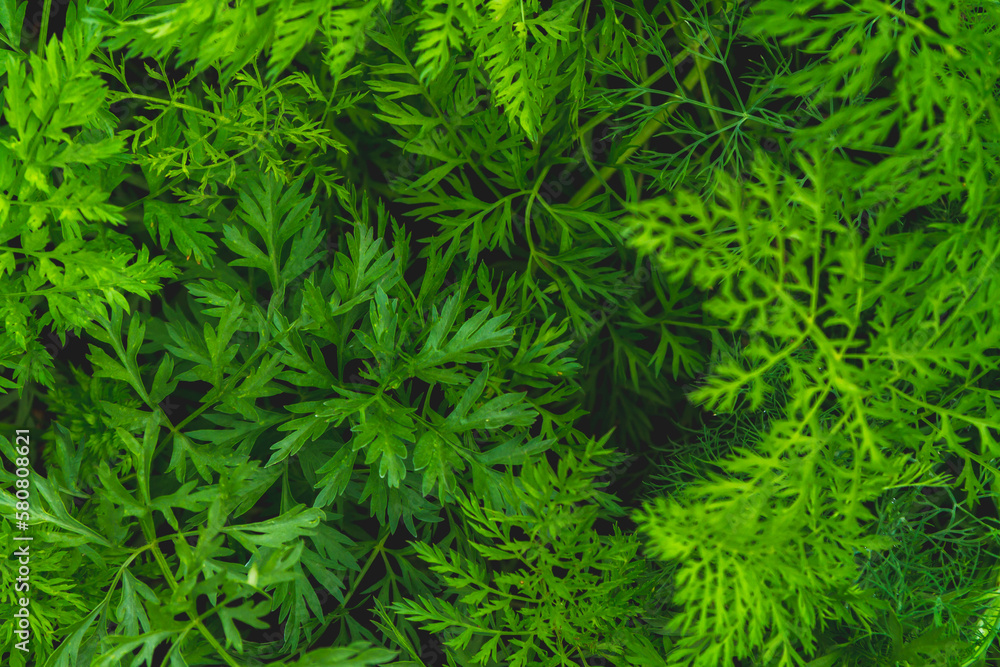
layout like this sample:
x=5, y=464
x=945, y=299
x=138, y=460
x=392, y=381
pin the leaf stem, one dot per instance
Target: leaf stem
x=43, y=36
x=648, y=130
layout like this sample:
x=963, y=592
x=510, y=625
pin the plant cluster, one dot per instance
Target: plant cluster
x=356, y=333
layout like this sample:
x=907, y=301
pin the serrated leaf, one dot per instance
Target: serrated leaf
x=190, y=234
x=384, y=435
x=438, y=460
x=278, y=532
x=478, y=333
x=247, y=613
x=357, y=654
x=130, y=612
x=145, y=643
x=337, y=472
x=239, y=242
x=504, y=410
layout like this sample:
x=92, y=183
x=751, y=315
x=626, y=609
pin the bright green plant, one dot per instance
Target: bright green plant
x=897, y=310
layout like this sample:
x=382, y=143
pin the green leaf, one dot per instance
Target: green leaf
x=337, y=473
x=56, y=514
x=247, y=613
x=278, y=532
x=504, y=410
x=69, y=457
x=67, y=654
x=239, y=242
x=357, y=654
x=129, y=503
x=439, y=36
x=515, y=452
x=480, y=332
x=183, y=498
x=357, y=271
x=130, y=613
x=12, y=20
x=439, y=461
x=190, y=234
x=145, y=643
x=384, y=431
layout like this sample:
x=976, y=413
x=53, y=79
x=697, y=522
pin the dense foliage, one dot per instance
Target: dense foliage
x=500, y=334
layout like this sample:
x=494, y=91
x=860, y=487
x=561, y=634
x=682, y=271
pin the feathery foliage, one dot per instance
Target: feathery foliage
x=357, y=333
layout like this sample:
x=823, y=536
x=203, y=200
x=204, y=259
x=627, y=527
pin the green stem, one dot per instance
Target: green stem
x=43, y=36
x=177, y=105
x=651, y=127
x=364, y=570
